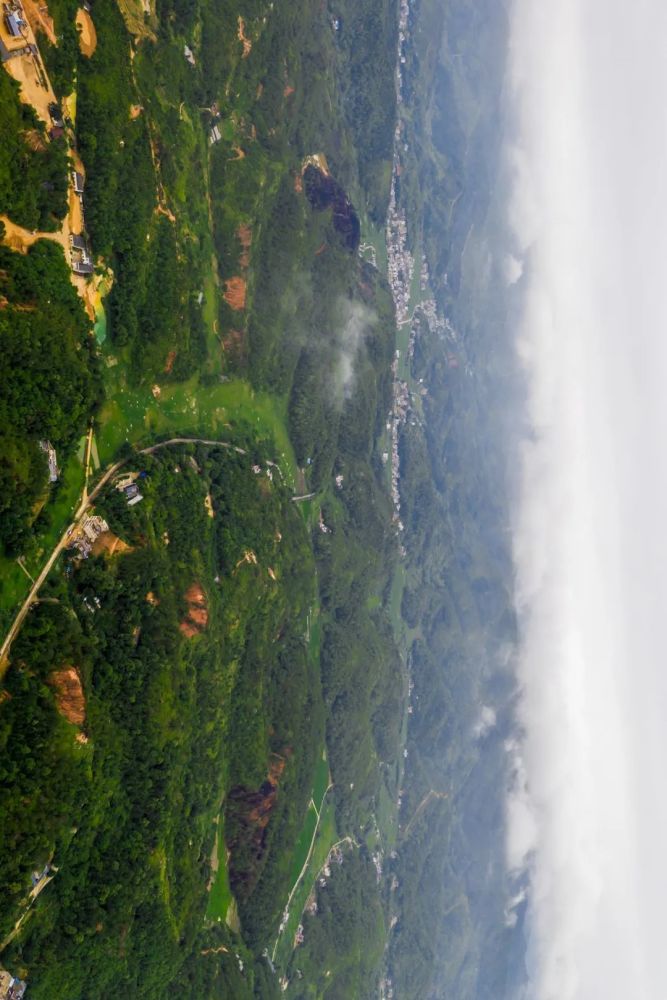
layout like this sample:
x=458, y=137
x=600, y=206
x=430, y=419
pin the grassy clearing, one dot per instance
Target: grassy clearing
x=395, y=601
x=321, y=782
x=324, y=841
x=302, y=846
x=134, y=415
x=220, y=896
x=376, y=237
x=304, y=878
x=14, y=587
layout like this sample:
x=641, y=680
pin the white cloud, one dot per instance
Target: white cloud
x=485, y=722
x=588, y=811
x=512, y=268
x=355, y=322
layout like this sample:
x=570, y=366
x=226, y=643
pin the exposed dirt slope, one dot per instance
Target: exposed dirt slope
x=70, y=699
x=196, y=619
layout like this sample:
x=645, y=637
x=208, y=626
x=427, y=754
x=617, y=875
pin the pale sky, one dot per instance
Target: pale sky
x=588, y=813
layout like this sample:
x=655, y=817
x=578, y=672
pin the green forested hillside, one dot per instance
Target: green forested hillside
x=195, y=713
x=50, y=377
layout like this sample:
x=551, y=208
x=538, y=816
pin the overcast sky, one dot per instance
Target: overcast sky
x=588, y=815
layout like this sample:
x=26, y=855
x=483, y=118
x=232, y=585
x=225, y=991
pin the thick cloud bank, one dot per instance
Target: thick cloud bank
x=588, y=813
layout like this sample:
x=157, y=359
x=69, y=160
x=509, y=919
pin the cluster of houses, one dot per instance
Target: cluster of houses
x=40, y=879
x=15, y=22
x=128, y=487
x=11, y=988
x=386, y=989
x=82, y=257
x=398, y=417
x=57, y=130
x=85, y=537
x=400, y=261
x=15, y=37
x=214, y=135
x=376, y=857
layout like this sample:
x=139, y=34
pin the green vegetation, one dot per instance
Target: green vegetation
x=325, y=838
x=218, y=655
x=343, y=942
x=60, y=60
x=33, y=168
x=453, y=599
x=51, y=382
x=161, y=701
x=220, y=894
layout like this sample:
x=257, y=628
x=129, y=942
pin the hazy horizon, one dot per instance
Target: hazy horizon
x=586, y=817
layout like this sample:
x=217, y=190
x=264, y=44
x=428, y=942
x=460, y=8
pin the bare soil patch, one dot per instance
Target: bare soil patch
x=245, y=41
x=40, y=19
x=196, y=619
x=233, y=343
x=235, y=292
x=244, y=235
x=87, y=33
x=139, y=17
x=70, y=700
x=20, y=239
x=35, y=87
x=109, y=544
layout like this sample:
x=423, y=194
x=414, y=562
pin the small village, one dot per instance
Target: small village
x=85, y=534
x=11, y=988
x=21, y=57
x=89, y=535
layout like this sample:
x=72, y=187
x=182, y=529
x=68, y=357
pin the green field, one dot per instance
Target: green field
x=302, y=846
x=136, y=416
x=324, y=841
x=220, y=895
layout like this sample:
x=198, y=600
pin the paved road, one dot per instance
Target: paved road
x=86, y=502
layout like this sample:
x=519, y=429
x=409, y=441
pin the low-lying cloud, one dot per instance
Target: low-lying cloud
x=587, y=814
x=354, y=323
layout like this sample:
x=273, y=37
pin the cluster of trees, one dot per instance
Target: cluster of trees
x=158, y=267
x=60, y=60
x=344, y=941
x=276, y=712
x=33, y=168
x=128, y=817
x=175, y=722
x=50, y=379
x=367, y=39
